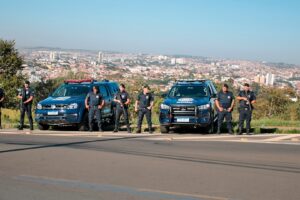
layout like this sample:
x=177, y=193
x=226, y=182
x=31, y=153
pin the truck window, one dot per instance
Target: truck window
x=71, y=90
x=103, y=91
x=188, y=91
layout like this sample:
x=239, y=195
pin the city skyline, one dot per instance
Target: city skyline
x=256, y=30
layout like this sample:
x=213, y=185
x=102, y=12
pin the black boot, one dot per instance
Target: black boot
x=248, y=132
x=150, y=130
x=240, y=131
x=138, y=130
x=0, y=120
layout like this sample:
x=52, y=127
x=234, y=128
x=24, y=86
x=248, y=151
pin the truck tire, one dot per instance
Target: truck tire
x=83, y=126
x=164, y=129
x=43, y=127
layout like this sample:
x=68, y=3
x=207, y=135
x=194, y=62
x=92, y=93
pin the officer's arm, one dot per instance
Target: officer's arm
x=218, y=104
x=102, y=103
x=240, y=97
x=232, y=104
x=253, y=99
x=151, y=105
x=2, y=98
x=86, y=101
x=137, y=102
x=115, y=99
x=28, y=100
x=127, y=102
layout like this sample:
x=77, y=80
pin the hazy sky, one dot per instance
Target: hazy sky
x=266, y=30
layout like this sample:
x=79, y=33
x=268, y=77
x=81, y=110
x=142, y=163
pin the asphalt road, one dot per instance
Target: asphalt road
x=146, y=167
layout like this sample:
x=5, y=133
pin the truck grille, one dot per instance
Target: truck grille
x=183, y=111
x=55, y=107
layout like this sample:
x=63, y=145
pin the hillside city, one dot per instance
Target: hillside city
x=159, y=70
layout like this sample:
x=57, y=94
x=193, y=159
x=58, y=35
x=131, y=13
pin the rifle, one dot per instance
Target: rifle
x=249, y=102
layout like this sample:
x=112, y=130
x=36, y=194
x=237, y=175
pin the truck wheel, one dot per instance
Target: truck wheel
x=43, y=126
x=164, y=129
x=83, y=126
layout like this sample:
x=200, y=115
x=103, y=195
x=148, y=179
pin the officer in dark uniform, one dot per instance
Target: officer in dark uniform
x=247, y=98
x=26, y=95
x=94, y=103
x=225, y=103
x=143, y=106
x=2, y=94
x=123, y=100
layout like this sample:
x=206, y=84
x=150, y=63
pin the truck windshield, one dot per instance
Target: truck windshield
x=71, y=90
x=188, y=91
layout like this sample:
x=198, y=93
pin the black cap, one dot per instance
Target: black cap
x=225, y=85
x=247, y=85
x=146, y=86
x=122, y=85
x=27, y=82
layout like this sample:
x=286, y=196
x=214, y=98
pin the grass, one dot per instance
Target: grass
x=11, y=117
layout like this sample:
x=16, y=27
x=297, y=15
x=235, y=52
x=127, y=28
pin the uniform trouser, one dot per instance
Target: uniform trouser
x=119, y=112
x=94, y=110
x=142, y=112
x=228, y=116
x=245, y=115
x=0, y=116
x=26, y=108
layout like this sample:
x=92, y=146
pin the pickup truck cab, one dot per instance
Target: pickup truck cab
x=66, y=106
x=189, y=103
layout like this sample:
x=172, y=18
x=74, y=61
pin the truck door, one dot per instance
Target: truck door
x=106, y=110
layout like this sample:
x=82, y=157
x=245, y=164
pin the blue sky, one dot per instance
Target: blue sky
x=240, y=29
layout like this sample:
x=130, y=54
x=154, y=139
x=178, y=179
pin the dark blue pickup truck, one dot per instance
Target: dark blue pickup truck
x=189, y=103
x=65, y=106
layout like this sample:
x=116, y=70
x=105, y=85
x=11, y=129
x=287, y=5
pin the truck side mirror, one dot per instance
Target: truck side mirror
x=164, y=95
x=213, y=96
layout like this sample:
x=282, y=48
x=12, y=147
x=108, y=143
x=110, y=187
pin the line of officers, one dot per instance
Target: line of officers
x=225, y=103
x=94, y=102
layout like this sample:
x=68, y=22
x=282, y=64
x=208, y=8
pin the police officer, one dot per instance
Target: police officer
x=94, y=103
x=26, y=95
x=225, y=103
x=143, y=106
x=1, y=104
x=247, y=98
x=123, y=100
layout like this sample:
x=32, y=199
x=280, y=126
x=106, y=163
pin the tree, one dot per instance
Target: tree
x=10, y=72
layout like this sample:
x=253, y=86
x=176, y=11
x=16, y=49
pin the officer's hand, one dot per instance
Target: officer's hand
x=87, y=107
x=149, y=108
x=229, y=109
x=135, y=109
x=99, y=107
x=221, y=109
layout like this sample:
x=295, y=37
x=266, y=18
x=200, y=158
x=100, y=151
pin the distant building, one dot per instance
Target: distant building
x=100, y=57
x=52, y=56
x=173, y=61
x=270, y=79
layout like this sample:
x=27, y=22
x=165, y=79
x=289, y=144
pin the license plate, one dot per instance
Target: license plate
x=183, y=120
x=53, y=113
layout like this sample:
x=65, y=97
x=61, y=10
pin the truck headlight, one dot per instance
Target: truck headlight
x=73, y=106
x=39, y=106
x=204, y=107
x=164, y=107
